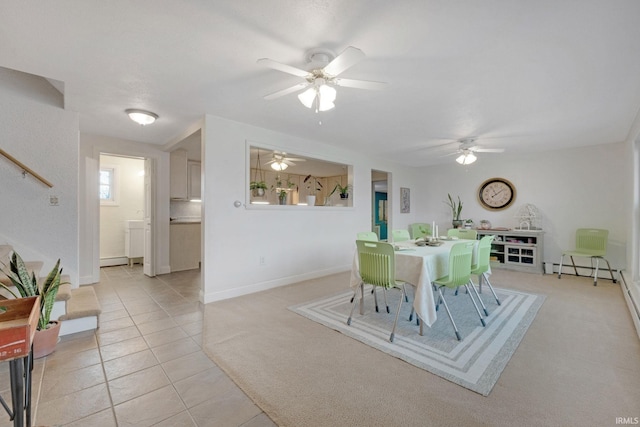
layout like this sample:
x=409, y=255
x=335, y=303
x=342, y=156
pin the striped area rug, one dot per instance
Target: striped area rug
x=476, y=362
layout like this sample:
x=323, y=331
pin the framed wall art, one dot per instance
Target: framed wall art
x=405, y=200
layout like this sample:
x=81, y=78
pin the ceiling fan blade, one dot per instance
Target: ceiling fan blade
x=489, y=150
x=294, y=159
x=349, y=57
x=286, y=91
x=360, y=84
x=270, y=63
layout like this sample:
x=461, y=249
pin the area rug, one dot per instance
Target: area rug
x=475, y=363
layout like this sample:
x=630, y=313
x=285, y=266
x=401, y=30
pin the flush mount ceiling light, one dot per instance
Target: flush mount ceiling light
x=466, y=158
x=141, y=117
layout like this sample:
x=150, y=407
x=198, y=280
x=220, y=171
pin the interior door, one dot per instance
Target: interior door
x=380, y=214
x=148, y=266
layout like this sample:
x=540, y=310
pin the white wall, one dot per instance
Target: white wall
x=38, y=132
x=296, y=242
x=574, y=188
x=129, y=190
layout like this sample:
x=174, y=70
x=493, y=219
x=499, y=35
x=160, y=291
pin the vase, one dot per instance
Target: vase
x=311, y=200
x=344, y=196
x=258, y=192
x=45, y=340
x=282, y=199
x=457, y=223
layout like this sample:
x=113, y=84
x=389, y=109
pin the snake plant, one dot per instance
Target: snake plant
x=27, y=286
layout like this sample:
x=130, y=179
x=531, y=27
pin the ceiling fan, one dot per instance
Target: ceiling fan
x=468, y=148
x=280, y=161
x=321, y=77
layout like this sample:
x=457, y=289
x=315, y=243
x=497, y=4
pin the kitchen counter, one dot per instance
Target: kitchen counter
x=185, y=220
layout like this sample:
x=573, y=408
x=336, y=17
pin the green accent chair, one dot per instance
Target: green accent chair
x=590, y=243
x=463, y=233
x=400, y=235
x=482, y=267
x=369, y=236
x=377, y=268
x=420, y=229
x=459, y=275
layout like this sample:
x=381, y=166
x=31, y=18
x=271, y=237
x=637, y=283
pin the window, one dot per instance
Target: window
x=108, y=181
x=277, y=177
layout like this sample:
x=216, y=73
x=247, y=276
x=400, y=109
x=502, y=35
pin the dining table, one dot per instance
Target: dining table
x=419, y=266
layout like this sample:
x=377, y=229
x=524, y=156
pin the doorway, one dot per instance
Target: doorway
x=124, y=214
x=380, y=211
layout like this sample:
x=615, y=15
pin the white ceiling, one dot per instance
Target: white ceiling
x=522, y=75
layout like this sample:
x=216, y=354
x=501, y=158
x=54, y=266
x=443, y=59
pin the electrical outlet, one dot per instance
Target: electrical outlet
x=262, y=261
x=54, y=201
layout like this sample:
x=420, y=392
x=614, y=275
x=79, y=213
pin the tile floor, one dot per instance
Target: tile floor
x=143, y=367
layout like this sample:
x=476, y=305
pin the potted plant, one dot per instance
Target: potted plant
x=258, y=188
x=46, y=337
x=342, y=190
x=282, y=189
x=313, y=187
x=456, y=208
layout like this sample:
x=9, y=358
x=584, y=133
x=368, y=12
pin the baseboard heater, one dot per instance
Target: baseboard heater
x=632, y=303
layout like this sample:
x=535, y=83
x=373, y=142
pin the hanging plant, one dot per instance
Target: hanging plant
x=258, y=186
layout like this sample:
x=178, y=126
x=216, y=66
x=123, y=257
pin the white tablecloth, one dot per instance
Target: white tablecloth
x=418, y=266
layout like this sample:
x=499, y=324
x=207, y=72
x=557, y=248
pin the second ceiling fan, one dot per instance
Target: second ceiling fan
x=322, y=77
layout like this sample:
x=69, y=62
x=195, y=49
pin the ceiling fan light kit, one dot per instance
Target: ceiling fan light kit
x=466, y=158
x=279, y=166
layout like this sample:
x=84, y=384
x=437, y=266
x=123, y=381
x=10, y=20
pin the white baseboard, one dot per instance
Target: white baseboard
x=110, y=262
x=263, y=286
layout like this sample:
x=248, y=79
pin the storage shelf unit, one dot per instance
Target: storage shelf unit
x=516, y=249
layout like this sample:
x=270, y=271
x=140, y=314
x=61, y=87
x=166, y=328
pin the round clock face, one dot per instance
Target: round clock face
x=496, y=193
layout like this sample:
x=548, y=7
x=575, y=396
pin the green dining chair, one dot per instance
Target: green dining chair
x=590, y=243
x=420, y=229
x=368, y=236
x=400, y=235
x=377, y=268
x=463, y=233
x=481, y=268
x=459, y=275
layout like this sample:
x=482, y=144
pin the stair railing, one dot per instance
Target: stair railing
x=25, y=169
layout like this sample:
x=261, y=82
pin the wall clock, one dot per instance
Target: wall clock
x=496, y=193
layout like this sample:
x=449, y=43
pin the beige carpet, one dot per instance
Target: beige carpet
x=577, y=365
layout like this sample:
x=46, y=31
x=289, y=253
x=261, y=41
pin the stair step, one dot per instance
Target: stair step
x=83, y=303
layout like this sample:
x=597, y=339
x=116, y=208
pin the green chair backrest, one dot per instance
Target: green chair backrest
x=420, y=229
x=376, y=263
x=484, y=254
x=400, y=235
x=368, y=235
x=459, y=265
x=463, y=233
x=592, y=241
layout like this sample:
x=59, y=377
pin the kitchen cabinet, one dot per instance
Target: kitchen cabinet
x=184, y=246
x=178, y=174
x=193, y=184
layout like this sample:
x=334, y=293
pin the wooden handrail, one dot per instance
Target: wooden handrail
x=25, y=168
